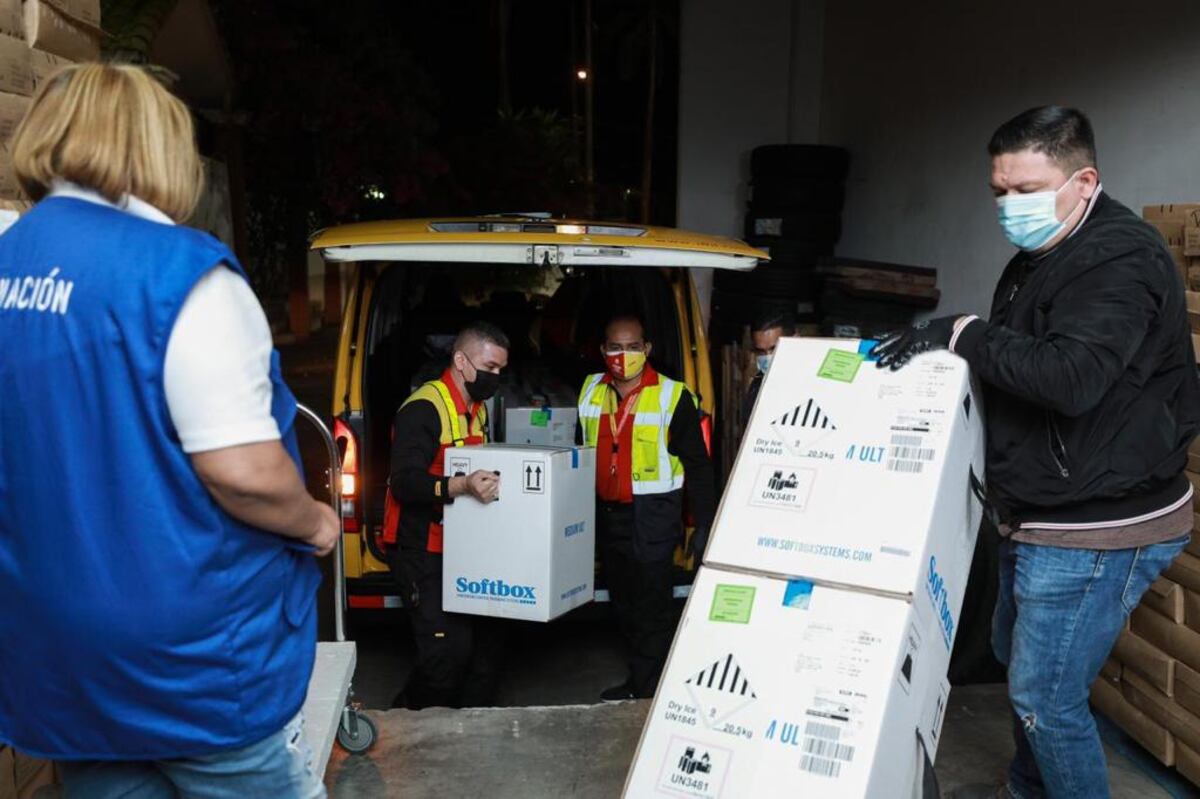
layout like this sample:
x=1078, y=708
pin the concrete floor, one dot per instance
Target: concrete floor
x=583, y=752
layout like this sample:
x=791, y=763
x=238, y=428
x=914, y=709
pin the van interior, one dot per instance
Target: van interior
x=553, y=316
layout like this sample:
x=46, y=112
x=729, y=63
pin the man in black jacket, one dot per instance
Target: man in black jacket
x=1091, y=400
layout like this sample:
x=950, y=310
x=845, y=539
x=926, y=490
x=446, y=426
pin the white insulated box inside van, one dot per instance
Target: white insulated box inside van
x=785, y=688
x=858, y=476
x=531, y=554
x=547, y=427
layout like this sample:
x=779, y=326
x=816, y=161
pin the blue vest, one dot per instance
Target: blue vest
x=137, y=619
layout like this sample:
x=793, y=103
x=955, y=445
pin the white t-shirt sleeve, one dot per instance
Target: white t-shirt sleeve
x=218, y=362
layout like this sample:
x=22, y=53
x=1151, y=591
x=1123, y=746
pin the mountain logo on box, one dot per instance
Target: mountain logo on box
x=693, y=769
x=802, y=428
x=782, y=487
x=495, y=589
x=690, y=764
x=720, y=690
x=780, y=483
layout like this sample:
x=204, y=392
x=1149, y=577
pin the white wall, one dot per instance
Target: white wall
x=914, y=90
x=733, y=95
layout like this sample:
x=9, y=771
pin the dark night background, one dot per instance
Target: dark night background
x=412, y=109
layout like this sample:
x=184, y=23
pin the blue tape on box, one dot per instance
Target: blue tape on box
x=864, y=348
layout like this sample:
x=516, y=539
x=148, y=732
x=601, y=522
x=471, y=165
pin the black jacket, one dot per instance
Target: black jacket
x=1091, y=391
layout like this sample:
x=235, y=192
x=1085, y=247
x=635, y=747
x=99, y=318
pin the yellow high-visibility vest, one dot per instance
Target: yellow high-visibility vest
x=655, y=470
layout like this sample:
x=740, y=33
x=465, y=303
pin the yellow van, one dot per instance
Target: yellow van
x=550, y=284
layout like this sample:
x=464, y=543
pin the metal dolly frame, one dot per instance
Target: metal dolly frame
x=332, y=681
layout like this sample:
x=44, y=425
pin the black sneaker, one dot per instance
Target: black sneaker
x=618, y=693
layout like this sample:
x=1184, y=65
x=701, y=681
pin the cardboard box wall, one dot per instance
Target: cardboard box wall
x=45, y=64
x=783, y=688
x=1140, y=656
x=531, y=554
x=16, y=68
x=1165, y=597
x=1187, y=762
x=1108, y=699
x=1161, y=709
x=12, y=20
x=68, y=28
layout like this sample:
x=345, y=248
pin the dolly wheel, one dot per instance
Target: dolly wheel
x=360, y=741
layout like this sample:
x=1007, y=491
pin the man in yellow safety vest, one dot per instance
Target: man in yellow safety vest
x=457, y=655
x=646, y=431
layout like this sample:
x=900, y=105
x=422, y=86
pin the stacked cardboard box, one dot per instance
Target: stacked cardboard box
x=811, y=659
x=1179, y=224
x=36, y=39
x=1150, y=686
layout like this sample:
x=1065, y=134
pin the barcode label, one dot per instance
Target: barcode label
x=907, y=441
x=818, y=730
x=910, y=467
x=912, y=453
x=822, y=748
x=820, y=766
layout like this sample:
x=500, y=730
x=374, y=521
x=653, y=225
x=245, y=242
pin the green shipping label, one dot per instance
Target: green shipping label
x=841, y=365
x=732, y=603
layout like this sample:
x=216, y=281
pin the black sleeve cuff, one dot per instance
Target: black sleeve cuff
x=967, y=340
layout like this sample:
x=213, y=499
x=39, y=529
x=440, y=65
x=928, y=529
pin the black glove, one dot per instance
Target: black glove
x=696, y=545
x=898, y=347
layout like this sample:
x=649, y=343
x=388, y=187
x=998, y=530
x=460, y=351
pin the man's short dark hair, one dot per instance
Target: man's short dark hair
x=483, y=333
x=1063, y=134
x=624, y=316
x=770, y=318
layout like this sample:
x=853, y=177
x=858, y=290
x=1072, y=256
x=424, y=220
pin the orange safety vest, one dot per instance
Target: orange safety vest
x=456, y=418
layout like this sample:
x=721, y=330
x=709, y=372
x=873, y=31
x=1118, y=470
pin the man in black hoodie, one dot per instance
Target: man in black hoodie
x=1091, y=399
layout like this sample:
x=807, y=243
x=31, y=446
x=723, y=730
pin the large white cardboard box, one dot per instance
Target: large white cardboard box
x=531, y=554
x=548, y=427
x=857, y=476
x=785, y=688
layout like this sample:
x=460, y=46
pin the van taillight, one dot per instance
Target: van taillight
x=348, y=446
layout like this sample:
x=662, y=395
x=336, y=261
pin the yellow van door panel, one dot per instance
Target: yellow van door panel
x=352, y=554
x=704, y=378
x=679, y=283
x=347, y=339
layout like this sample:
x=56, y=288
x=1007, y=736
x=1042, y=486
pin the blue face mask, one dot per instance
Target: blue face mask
x=764, y=363
x=1031, y=220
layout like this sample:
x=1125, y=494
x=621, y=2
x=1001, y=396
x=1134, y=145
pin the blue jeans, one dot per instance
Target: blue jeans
x=279, y=766
x=1058, y=613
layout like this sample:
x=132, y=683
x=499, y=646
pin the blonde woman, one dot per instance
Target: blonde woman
x=156, y=539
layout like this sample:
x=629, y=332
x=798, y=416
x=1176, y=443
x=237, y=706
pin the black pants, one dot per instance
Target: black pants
x=459, y=657
x=639, y=576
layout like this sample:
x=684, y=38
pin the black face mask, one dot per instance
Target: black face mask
x=484, y=386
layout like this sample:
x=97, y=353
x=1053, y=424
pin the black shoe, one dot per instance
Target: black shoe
x=618, y=693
